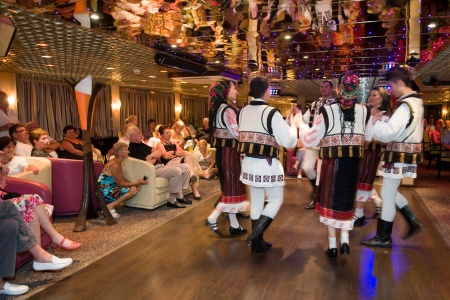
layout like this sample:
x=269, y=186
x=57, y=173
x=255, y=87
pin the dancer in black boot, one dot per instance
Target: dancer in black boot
x=383, y=237
x=415, y=226
x=403, y=134
x=262, y=130
x=266, y=244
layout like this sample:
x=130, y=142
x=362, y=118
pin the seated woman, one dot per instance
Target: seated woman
x=178, y=134
x=114, y=187
x=36, y=214
x=39, y=139
x=206, y=162
x=71, y=147
x=299, y=153
x=16, y=164
x=173, y=154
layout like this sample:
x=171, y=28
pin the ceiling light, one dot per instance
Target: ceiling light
x=287, y=37
x=163, y=71
x=46, y=56
x=412, y=52
x=306, y=56
x=205, y=86
x=42, y=45
x=109, y=68
x=50, y=65
x=143, y=80
x=183, y=82
x=94, y=16
x=173, y=46
x=152, y=76
x=432, y=24
x=317, y=69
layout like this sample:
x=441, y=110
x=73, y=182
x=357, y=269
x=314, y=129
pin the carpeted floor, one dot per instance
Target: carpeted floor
x=99, y=239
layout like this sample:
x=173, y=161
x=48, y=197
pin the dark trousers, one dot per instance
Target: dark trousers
x=15, y=236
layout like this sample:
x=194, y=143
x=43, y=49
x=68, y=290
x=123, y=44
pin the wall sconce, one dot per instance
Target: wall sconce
x=11, y=101
x=444, y=112
x=178, y=109
x=116, y=105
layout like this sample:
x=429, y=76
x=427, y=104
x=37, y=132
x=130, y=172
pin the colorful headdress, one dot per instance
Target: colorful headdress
x=348, y=94
x=218, y=93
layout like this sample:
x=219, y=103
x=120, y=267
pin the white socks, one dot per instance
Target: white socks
x=233, y=220
x=359, y=212
x=214, y=215
x=332, y=242
x=345, y=237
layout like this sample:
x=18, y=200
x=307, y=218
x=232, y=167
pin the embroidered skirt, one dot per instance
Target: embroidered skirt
x=337, y=191
x=367, y=171
x=228, y=162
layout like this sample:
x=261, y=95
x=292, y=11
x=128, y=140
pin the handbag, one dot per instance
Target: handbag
x=9, y=195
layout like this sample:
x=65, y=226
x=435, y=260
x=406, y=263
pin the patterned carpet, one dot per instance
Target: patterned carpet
x=100, y=239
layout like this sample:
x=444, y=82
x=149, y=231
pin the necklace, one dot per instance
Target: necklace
x=5, y=162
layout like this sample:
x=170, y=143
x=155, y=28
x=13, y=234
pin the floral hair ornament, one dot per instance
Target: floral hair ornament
x=348, y=94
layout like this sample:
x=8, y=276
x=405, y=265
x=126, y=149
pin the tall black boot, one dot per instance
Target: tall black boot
x=415, y=226
x=383, y=237
x=267, y=245
x=312, y=204
x=256, y=240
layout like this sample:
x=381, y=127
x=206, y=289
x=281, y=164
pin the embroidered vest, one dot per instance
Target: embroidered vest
x=257, y=139
x=222, y=137
x=408, y=148
x=337, y=144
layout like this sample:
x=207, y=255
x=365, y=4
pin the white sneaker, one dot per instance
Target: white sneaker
x=14, y=289
x=114, y=214
x=57, y=264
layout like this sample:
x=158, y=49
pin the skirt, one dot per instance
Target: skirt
x=337, y=191
x=367, y=172
x=26, y=205
x=228, y=162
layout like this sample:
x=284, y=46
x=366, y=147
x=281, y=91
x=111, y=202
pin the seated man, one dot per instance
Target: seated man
x=16, y=236
x=19, y=133
x=178, y=176
x=52, y=144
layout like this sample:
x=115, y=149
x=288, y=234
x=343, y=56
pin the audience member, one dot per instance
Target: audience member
x=8, y=117
x=206, y=162
x=150, y=131
x=203, y=132
x=124, y=138
x=446, y=127
x=114, y=187
x=178, y=134
x=36, y=214
x=178, y=176
x=132, y=120
x=19, y=133
x=173, y=155
x=189, y=127
x=52, y=146
x=299, y=154
x=71, y=147
x=39, y=139
x=435, y=135
x=16, y=237
x=16, y=164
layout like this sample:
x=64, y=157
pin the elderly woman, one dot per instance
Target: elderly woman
x=179, y=133
x=206, y=161
x=16, y=164
x=114, y=187
x=71, y=147
x=39, y=139
x=173, y=154
x=32, y=207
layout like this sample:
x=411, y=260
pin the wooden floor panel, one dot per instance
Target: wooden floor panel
x=182, y=259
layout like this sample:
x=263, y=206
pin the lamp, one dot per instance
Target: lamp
x=178, y=109
x=11, y=101
x=116, y=105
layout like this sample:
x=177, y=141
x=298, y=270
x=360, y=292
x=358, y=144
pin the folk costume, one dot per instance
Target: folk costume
x=224, y=133
x=341, y=132
x=262, y=131
x=404, y=135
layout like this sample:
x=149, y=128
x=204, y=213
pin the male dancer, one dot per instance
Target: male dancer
x=404, y=135
x=261, y=131
x=312, y=153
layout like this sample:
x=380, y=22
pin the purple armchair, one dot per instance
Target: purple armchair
x=23, y=186
x=67, y=185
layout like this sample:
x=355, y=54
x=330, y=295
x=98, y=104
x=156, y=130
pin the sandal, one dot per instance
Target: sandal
x=73, y=246
x=114, y=214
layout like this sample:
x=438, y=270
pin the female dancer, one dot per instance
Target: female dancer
x=378, y=99
x=224, y=131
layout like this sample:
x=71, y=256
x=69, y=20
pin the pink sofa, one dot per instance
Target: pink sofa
x=67, y=185
x=23, y=186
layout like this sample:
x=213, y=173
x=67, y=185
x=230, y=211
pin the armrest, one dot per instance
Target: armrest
x=45, y=171
x=24, y=186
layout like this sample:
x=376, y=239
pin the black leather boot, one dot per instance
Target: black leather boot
x=266, y=244
x=383, y=237
x=312, y=204
x=415, y=226
x=256, y=240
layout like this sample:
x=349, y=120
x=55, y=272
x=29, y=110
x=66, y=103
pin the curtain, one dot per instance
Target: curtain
x=144, y=105
x=52, y=104
x=196, y=108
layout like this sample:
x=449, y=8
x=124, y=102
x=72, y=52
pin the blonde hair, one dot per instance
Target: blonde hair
x=117, y=147
x=36, y=134
x=130, y=118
